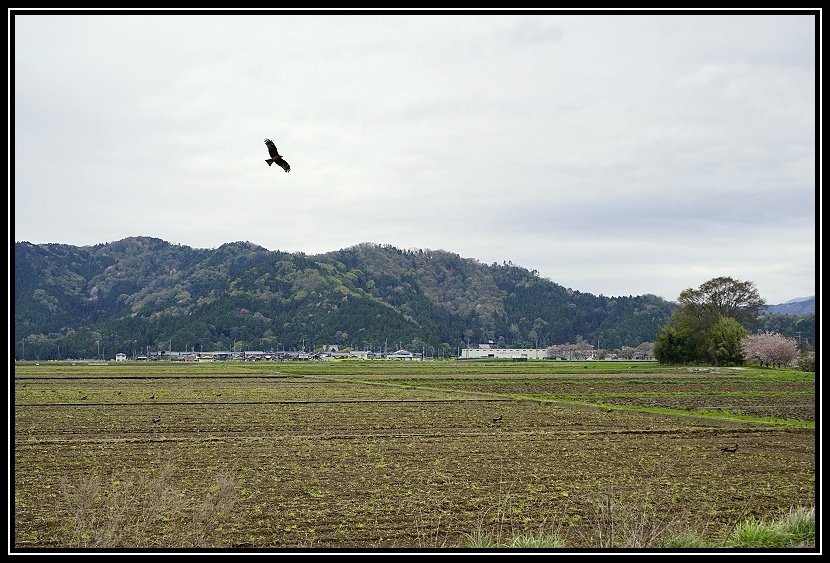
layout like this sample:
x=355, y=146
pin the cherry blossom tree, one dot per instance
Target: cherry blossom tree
x=769, y=348
x=627, y=352
x=645, y=350
x=569, y=351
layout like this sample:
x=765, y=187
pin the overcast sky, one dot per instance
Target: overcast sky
x=616, y=155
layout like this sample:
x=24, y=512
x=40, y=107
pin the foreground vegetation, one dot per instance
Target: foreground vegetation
x=115, y=516
x=381, y=454
x=639, y=527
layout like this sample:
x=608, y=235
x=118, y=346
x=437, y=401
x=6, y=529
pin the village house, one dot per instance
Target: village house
x=403, y=355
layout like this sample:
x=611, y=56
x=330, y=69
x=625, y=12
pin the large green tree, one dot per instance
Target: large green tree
x=723, y=342
x=721, y=297
x=670, y=347
x=709, y=323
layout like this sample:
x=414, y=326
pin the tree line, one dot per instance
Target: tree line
x=712, y=325
x=142, y=294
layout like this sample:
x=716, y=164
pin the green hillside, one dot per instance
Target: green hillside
x=143, y=293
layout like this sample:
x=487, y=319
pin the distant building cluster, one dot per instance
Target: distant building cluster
x=328, y=353
x=558, y=352
x=332, y=352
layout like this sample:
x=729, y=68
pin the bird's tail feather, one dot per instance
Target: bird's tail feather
x=270, y=161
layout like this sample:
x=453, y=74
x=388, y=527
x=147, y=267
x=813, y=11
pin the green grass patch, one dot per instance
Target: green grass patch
x=657, y=394
x=720, y=414
x=797, y=528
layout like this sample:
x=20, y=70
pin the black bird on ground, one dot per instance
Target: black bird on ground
x=729, y=449
x=157, y=419
x=497, y=420
x=275, y=156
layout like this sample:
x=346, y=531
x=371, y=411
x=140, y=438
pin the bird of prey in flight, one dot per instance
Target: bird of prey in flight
x=275, y=156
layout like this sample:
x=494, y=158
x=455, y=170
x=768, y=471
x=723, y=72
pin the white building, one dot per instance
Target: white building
x=485, y=351
x=120, y=357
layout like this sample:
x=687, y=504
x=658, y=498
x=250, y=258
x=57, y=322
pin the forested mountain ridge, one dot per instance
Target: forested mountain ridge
x=142, y=293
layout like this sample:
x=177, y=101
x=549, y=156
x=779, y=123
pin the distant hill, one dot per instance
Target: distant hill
x=801, y=307
x=144, y=293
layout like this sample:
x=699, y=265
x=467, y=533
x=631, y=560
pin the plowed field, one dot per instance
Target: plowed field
x=398, y=461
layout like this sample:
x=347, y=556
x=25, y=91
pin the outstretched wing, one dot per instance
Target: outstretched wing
x=272, y=149
x=281, y=162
